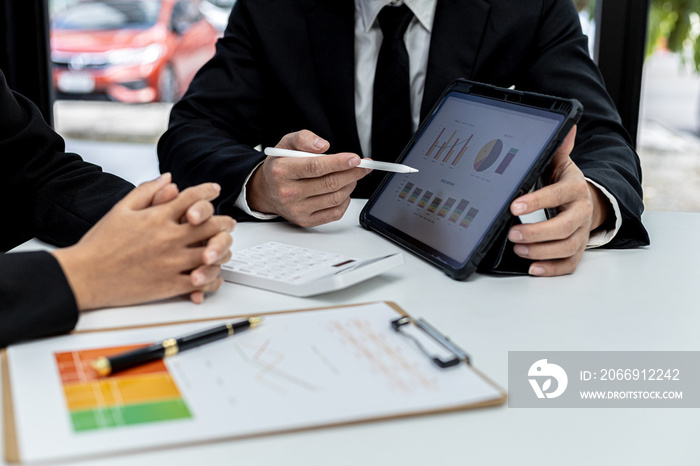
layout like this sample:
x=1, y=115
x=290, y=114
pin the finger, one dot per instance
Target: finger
x=214, y=285
x=186, y=260
x=304, y=140
x=167, y=194
x=557, y=228
x=559, y=249
x=549, y=196
x=204, y=275
x=562, y=154
x=557, y=195
x=327, y=215
x=143, y=195
x=201, y=234
x=199, y=212
x=197, y=297
x=217, y=250
x=555, y=267
x=188, y=197
x=316, y=167
x=341, y=181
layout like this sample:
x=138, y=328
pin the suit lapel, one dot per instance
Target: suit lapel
x=457, y=33
x=331, y=33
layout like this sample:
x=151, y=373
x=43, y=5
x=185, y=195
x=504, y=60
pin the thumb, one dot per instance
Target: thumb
x=561, y=157
x=566, y=147
x=142, y=196
x=304, y=140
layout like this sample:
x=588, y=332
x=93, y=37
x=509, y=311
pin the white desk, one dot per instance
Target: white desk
x=642, y=299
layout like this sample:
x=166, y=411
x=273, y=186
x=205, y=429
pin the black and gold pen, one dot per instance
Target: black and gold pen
x=170, y=347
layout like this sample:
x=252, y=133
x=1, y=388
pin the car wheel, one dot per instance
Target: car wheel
x=167, y=85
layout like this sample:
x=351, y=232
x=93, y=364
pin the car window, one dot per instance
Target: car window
x=108, y=14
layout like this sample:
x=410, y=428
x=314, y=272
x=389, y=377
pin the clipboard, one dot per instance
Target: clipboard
x=301, y=380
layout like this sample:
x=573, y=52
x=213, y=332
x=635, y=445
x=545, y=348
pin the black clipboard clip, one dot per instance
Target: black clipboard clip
x=458, y=355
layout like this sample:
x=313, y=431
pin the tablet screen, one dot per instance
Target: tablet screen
x=472, y=156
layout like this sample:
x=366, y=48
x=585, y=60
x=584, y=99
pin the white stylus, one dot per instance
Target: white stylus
x=365, y=163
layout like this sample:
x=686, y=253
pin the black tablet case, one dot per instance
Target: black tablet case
x=501, y=258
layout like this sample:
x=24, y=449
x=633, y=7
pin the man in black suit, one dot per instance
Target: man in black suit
x=290, y=65
x=154, y=243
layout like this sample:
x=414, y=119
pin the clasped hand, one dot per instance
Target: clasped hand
x=154, y=244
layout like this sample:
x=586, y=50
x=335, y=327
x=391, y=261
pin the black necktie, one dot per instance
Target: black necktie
x=391, y=109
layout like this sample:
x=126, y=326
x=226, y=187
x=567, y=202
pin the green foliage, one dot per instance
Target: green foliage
x=676, y=24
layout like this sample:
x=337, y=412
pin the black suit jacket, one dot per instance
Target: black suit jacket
x=286, y=65
x=51, y=195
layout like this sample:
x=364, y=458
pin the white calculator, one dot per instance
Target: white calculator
x=300, y=271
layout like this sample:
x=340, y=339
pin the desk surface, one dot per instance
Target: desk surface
x=641, y=299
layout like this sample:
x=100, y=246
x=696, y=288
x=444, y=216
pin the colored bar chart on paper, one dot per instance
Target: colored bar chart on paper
x=144, y=394
x=458, y=211
x=506, y=161
x=446, y=208
x=467, y=220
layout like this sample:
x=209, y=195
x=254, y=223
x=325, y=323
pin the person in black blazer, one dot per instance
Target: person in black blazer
x=286, y=73
x=140, y=251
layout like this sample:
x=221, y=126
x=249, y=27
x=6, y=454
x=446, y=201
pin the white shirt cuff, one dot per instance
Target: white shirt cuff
x=601, y=237
x=242, y=203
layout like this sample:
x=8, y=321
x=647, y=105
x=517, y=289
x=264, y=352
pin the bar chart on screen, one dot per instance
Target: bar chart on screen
x=448, y=149
x=410, y=193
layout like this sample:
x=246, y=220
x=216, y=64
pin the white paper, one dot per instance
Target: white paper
x=295, y=370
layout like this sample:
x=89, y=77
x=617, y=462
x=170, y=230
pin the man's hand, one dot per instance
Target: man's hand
x=217, y=250
x=143, y=252
x=558, y=243
x=309, y=191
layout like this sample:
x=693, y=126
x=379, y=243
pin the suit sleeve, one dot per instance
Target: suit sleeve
x=213, y=129
x=36, y=298
x=47, y=193
x=51, y=195
x=560, y=65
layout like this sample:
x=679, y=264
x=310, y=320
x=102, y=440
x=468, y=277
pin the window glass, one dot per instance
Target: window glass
x=668, y=142
x=118, y=66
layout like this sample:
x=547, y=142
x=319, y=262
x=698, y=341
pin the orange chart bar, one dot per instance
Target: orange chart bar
x=143, y=394
x=434, y=143
x=459, y=155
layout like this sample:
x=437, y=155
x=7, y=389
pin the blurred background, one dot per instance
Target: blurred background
x=118, y=65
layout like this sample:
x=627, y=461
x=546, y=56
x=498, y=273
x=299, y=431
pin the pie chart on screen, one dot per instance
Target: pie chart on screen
x=488, y=155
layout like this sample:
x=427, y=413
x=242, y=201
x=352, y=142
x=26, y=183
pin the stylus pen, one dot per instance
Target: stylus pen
x=365, y=163
x=170, y=347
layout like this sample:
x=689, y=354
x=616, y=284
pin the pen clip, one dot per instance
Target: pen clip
x=457, y=354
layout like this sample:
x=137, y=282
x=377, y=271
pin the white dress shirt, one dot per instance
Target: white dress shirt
x=368, y=40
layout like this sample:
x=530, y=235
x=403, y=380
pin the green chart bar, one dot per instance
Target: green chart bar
x=458, y=211
x=469, y=217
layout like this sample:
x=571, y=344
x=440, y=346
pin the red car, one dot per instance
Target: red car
x=129, y=50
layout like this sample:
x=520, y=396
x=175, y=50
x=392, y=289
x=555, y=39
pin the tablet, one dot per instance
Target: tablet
x=480, y=148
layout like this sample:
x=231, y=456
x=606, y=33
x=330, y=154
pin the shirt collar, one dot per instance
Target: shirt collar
x=368, y=10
